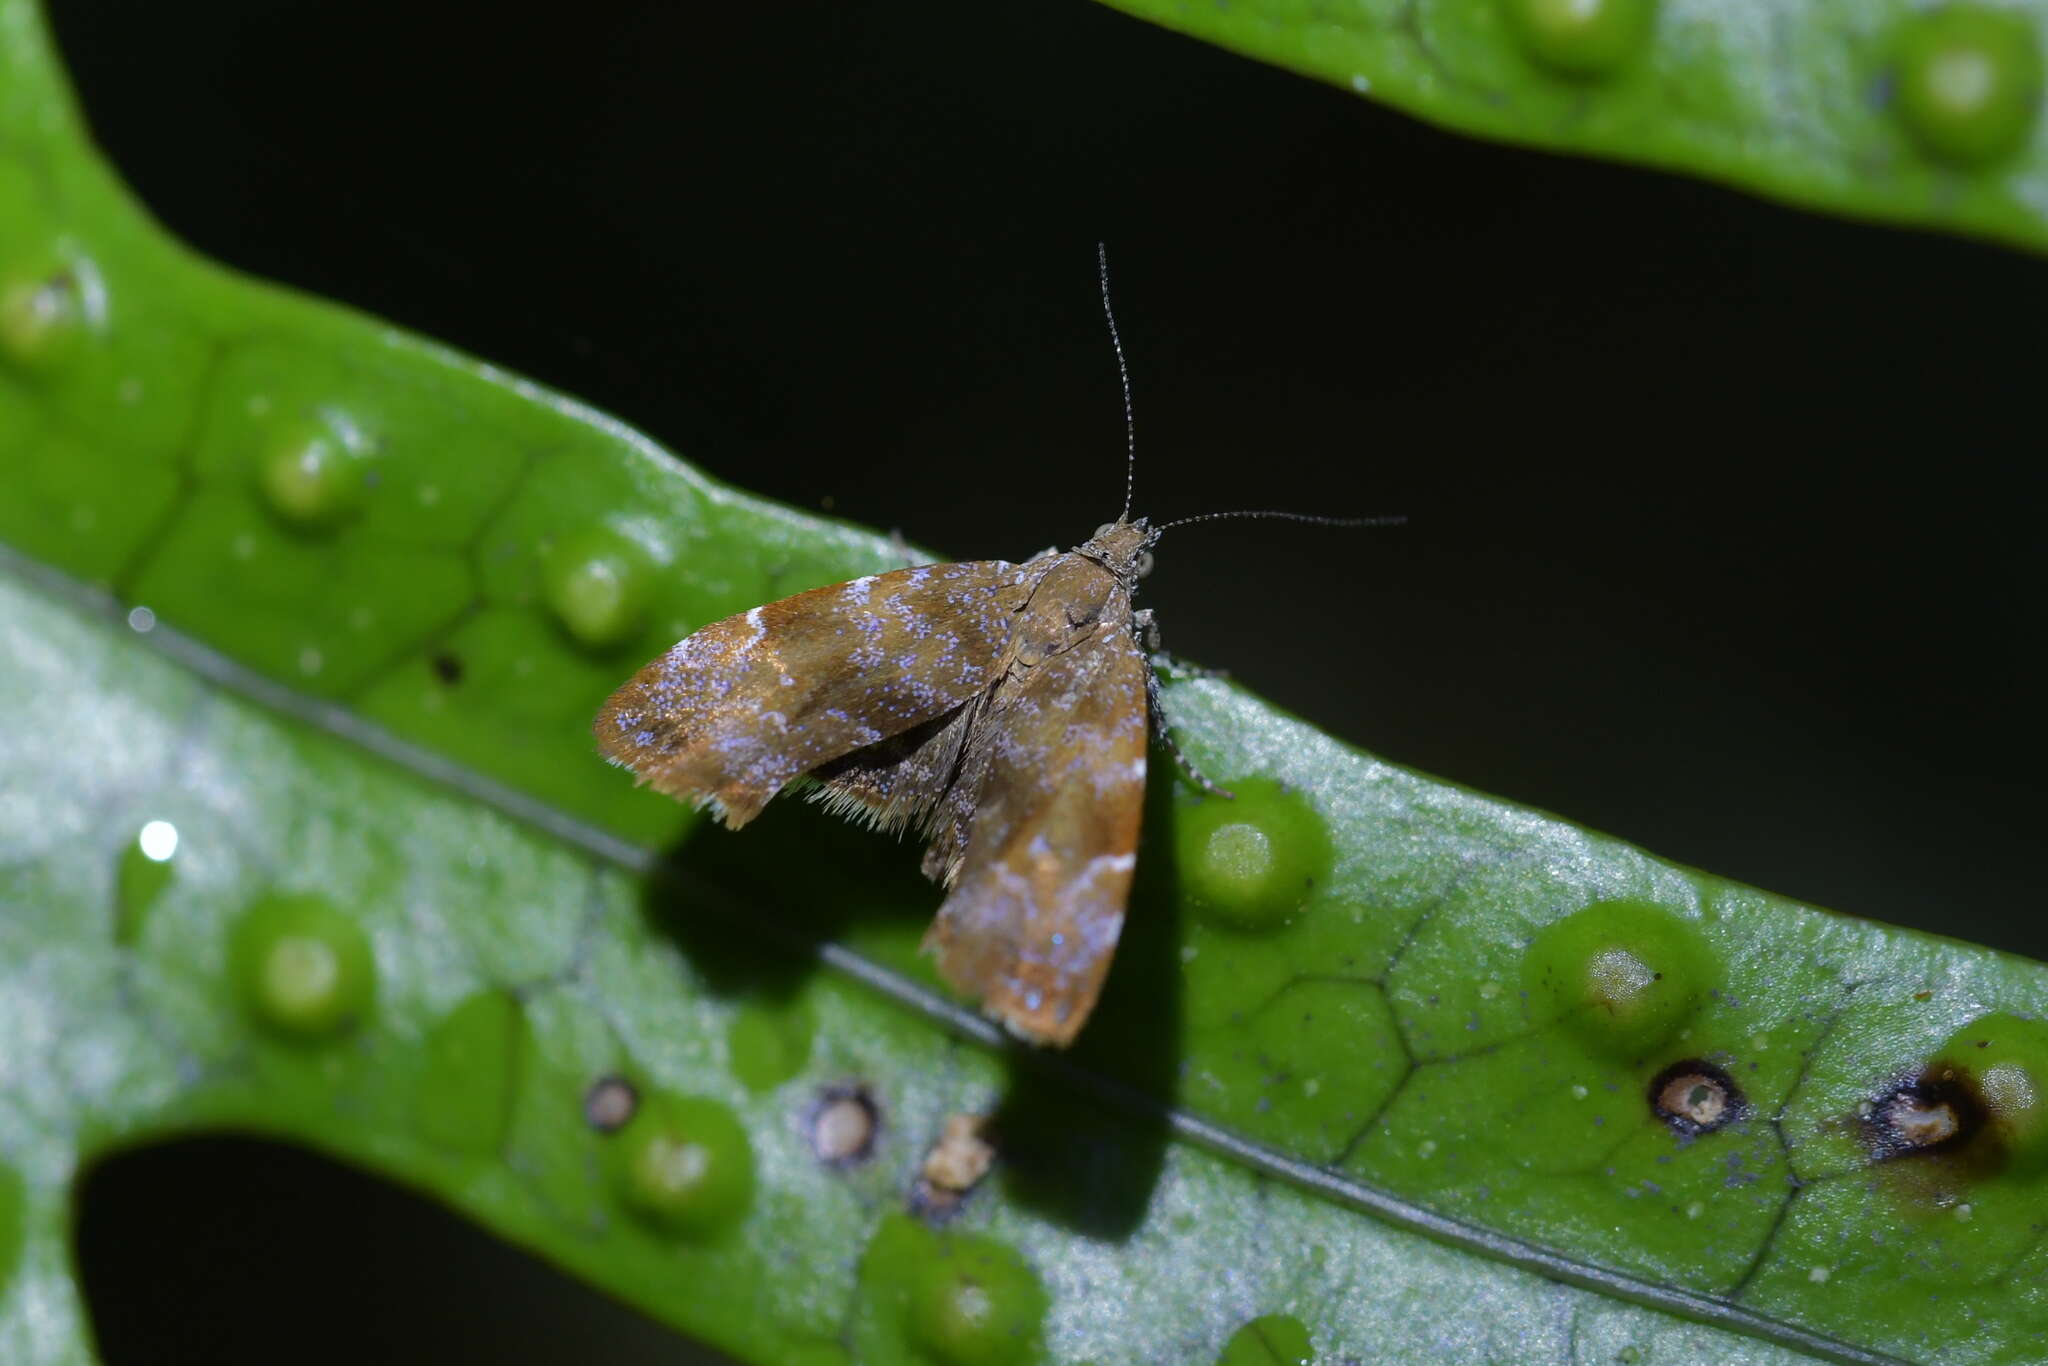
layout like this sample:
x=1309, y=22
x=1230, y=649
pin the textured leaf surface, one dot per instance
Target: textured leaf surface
x=411, y=920
x=1870, y=108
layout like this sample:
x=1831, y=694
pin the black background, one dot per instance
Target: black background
x=1723, y=536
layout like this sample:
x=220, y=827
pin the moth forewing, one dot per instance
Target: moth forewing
x=732, y=714
x=1038, y=905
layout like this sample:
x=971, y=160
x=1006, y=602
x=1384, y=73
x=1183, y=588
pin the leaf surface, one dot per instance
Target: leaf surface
x=304, y=621
x=1869, y=108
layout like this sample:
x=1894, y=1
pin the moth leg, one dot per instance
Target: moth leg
x=1146, y=628
x=1165, y=734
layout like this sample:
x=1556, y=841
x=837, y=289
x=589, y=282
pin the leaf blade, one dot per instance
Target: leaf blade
x=1796, y=102
x=543, y=462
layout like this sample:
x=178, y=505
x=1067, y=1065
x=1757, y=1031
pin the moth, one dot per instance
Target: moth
x=1000, y=710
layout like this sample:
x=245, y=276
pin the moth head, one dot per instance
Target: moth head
x=1123, y=548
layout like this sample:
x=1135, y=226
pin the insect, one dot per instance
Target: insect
x=999, y=709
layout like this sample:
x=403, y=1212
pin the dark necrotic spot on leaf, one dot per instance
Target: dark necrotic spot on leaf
x=1693, y=1096
x=1938, y=1111
x=447, y=667
x=610, y=1104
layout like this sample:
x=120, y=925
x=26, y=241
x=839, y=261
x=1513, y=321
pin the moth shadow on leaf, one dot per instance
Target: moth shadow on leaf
x=1080, y=1133
x=749, y=908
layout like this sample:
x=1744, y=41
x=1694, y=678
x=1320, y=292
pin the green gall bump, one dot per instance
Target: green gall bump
x=1271, y=1340
x=2008, y=1056
x=595, y=582
x=311, y=479
x=683, y=1163
x=1241, y=852
x=768, y=1044
x=1968, y=81
x=975, y=1304
x=42, y=318
x=141, y=876
x=1584, y=38
x=11, y=1217
x=465, y=1091
x=1622, y=975
x=945, y=1299
x=1252, y=863
x=301, y=972
x=302, y=968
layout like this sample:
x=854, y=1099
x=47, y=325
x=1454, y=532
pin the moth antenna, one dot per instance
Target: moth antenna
x=1284, y=516
x=1124, y=373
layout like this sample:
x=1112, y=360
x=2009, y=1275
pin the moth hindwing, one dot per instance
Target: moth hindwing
x=998, y=708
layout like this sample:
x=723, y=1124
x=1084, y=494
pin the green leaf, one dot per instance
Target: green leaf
x=1888, y=109
x=304, y=620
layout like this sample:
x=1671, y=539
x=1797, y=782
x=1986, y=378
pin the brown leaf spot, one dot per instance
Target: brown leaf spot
x=956, y=1163
x=610, y=1104
x=1938, y=1111
x=842, y=1126
x=1694, y=1097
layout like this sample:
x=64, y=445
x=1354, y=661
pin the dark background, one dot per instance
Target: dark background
x=1723, y=537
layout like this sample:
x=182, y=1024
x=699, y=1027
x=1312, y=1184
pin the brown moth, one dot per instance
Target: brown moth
x=999, y=709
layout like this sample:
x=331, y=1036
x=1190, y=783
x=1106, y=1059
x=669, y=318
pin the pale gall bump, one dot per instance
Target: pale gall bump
x=1253, y=864
x=1621, y=975
x=310, y=477
x=302, y=968
x=1967, y=81
x=975, y=1304
x=595, y=583
x=2008, y=1056
x=683, y=1164
x=1586, y=39
x=46, y=314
